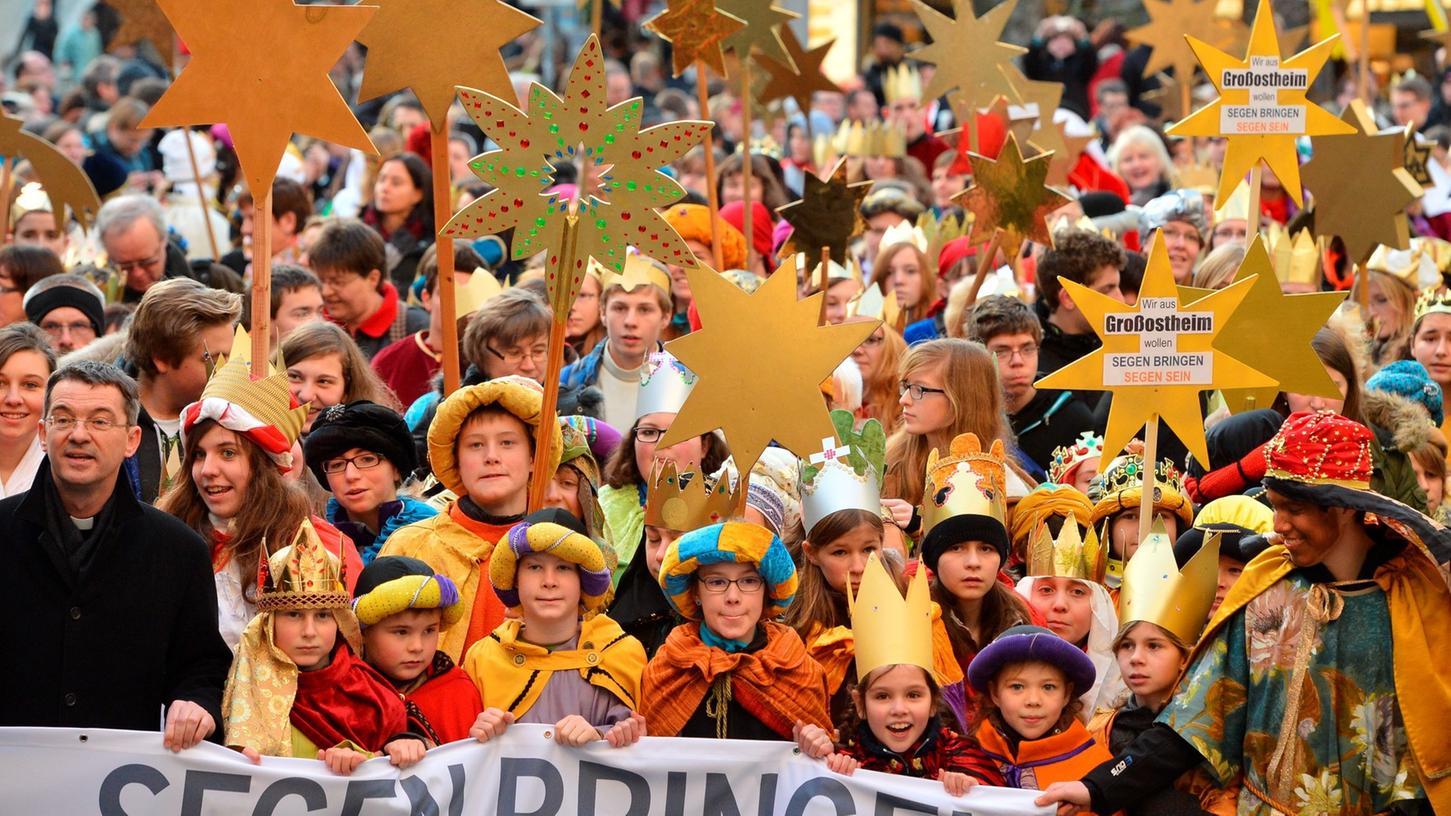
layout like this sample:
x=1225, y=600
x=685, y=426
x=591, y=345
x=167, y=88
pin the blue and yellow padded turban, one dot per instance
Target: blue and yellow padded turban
x=736, y=541
x=393, y=584
x=547, y=537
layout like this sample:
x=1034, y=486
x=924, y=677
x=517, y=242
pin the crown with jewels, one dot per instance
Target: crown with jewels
x=1157, y=591
x=1067, y=457
x=685, y=500
x=665, y=383
x=268, y=400
x=1433, y=299
x=888, y=628
x=1295, y=260
x=303, y=575
x=902, y=82
x=967, y=481
x=846, y=476
x=1070, y=555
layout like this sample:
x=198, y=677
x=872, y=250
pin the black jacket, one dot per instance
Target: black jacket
x=1050, y=420
x=110, y=644
x=1059, y=348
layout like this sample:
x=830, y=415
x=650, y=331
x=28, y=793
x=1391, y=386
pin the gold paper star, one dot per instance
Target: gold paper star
x=967, y=53
x=1020, y=126
x=1246, y=149
x=762, y=33
x=143, y=21
x=403, y=49
x=829, y=214
x=1169, y=99
x=1417, y=158
x=1361, y=190
x=1046, y=96
x=261, y=66
x=1010, y=193
x=1169, y=22
x=761, y=358
x=1063, y=151
x=1284, y=354
x=65, y=184
x=798, y=84
x=696, y=31
x=1176, y=403
x=1441, y=38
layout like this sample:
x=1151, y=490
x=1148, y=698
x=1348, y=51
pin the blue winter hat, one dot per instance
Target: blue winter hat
x=1409, y=379
x=1023, y=644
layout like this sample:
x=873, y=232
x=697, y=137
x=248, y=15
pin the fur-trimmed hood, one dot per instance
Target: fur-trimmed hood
x=1402, y=422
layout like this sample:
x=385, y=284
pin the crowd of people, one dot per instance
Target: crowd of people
x=339, y=559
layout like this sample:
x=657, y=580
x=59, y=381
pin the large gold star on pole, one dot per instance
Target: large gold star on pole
x=1361, y=189
x=1169, y=22
x=404, y=50
x=1010, y=194
x=696, y=31
x=1284, y=354
x=143, y=21
x=802, y=82
x=1157, y=355
x=761, y=358
x=829, y=214
x=762, y=33
x=966, y=50
x=261, y=66
x=1261, y=123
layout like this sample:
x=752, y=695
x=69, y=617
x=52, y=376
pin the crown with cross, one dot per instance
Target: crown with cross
x=847, y=473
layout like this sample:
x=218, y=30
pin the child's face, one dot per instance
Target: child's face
x=657, y=541
x=221, y=470
x=734, y=612
x=401, y=646
x=306, y=636
x=1084, y=474
x=1031, y=697
x=968, y=569
x=548, y=588
x=897, y=704
x=843, y=560
x=1125, y=531
x=1148, y=661
x=1066, y=604
x=494, y=461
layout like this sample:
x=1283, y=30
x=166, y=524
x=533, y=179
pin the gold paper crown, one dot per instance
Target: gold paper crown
x=871, y=303
x=1157, y=591
x=303, y=575
x=967, y=481
x=687, y=500
x=1201, y=177
x=1069, y=555
x=267, y=399
x=1235, y=207
x=481, y=288
x=1413, y=266
x=1433, y=300
x=940, y=231
x=1295, y=260
x=902, y=82
x=878, y=139
x=886, y=628
x=639, y=271
x=905, y=232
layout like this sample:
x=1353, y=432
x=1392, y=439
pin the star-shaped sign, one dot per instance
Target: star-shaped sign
x=761, y=358
x=1283, y=354
x=261, y=66
x=1010, y=194
x=1156, y=355
x=802, y=82
x=1261, y=107
x=143, y=21
x=967, y=52
x=1418, y=158
x=403, y=49
x=696, y=31
x=1361, y=190
x=829, y=214
x=65, y=184
x=1169, y=22
x=762, y=33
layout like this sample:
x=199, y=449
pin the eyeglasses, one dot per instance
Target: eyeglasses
x=1186, y=235
x=363, y=461
x=917, y=391
x=517, y=355
x=747, y=584
x=63, y=423
x=1006, y=354
x=144, y=263
x=80, y=327
x=647, y=434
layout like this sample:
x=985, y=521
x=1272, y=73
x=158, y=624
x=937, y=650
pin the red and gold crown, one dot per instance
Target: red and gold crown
x=1321, y=448
x=303, y=576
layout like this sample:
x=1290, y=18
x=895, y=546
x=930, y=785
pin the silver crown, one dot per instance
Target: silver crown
x=665, y=382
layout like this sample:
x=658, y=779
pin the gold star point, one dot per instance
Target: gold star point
x=696, y=31
x=1169, y=22
x=1063, y=150
x=827, y=215
x=1010, y=193
x=967, y=52
x=1044, y=96
x=762, y=32
x=802, y=82
x=1418, y=157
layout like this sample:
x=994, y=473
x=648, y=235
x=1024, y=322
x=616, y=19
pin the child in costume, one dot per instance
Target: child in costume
x=481, y=446
x=297, y=688
x=1076, y=465
x=896, y=699
x=561, y=661
x=1048, y=503
x=1233, y=519
x=402, y=605
x=1116, y=496
x=236, y=444
x=1027, y=681
x=731, y=672
x=843, y=515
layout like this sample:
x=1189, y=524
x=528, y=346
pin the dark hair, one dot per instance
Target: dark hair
x=422, y=179
x=287, y=278
x=465, y=259
x=817, y=604
x=1002, y=609
x=1131, y=277
x=509, y=318
x=621, y=470
x=27, y=263
x=349, y=245
x=1000, y=314
x=1330, y=346
x=19, y=337
x=1076, y=255
x=773, y=193
x=93, y=373
x=1416, y=86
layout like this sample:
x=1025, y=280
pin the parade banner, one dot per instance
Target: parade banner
x=524, y=773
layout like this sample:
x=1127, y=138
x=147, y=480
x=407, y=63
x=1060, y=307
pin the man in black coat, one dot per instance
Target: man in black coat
x=111, y=610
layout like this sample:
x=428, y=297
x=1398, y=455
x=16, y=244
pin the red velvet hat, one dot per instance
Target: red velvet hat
x=1321, y=448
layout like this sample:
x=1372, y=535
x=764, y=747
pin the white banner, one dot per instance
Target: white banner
x=128, y=773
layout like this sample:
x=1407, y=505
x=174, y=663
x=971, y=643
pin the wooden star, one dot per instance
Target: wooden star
x=1418, y=157
x=762, y=32
x=261, y=66
x=65, y=184
x=1361, y=190
x=403, y=49
x=696, y=31
x=801, y=83
x=829, y=214
x=1168, y=97
x=1175, y=401
x=760, y=359
x=967, y=52
x=143, y=21
x=1248, y=146
x=1169, y=22
x=1010, y=194
x=1043, y=97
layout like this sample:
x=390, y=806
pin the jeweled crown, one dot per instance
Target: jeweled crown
x=303, y=575
x=685, y=500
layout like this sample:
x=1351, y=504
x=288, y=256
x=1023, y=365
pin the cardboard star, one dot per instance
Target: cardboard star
x=1418, y=158
x=762, y=32
x=802, y=82
x=696, y=31
x=1019, y=125
x=143, y=21
x=1161, y=396
x=1010, y=193
x=829, y=214
x=1169, y=22
x=261, y=66
x=403, y=49
x=65, y=184
x=1045, y=96
x=1246, y=148
x=1283, y=354
x=761, y=358
x=1063, y=151
x=1168, y=97
x=967, y=53
x=1361, y=190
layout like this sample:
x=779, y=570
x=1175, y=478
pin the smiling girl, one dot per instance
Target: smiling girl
x=26, y=361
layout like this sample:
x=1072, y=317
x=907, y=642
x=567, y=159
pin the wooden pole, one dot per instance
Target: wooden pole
x=444, y=291
x=597, y=17
x=7, y=183
x=746, y=159
x=1186, y=96
x=544, y=437
x=825, y=283
x=201, y=195
x=984, y=265
x=1256, y=179
x=261, y=281
x=712, y=197
x=1151, y=464
x=1363, y=79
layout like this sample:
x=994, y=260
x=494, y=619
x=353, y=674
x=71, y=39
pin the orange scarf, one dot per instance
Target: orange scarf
x=779, y=684
x=488, y=611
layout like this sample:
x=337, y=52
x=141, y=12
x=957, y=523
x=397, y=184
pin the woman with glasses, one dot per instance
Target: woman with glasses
x=326, y=368
x=361, y=452
x=26, y=362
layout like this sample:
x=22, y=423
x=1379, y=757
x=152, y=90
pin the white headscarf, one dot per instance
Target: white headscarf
x=1108, y=685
